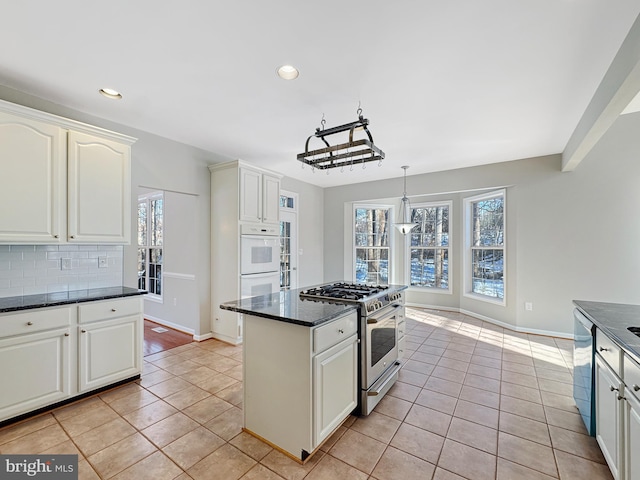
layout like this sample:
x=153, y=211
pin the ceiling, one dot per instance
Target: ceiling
x=444, y=84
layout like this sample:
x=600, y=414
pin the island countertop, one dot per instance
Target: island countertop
x=287, y=306
x=613, y=319
x=28, y=302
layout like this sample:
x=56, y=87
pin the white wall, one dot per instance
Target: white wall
x=569, y=235
x=310, y=230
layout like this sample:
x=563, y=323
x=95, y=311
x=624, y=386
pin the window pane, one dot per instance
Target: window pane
x=372, y=231
x=433, y=229
x=488, y=222
x=488, y=272
x=142, y=223
x=156, y=221
x=430, y=267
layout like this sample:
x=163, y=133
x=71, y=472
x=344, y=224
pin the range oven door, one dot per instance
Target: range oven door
x=381, y=343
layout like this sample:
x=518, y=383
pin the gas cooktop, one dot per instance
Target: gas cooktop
x=344, y=291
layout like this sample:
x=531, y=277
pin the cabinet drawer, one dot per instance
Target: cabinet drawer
x=610, y=352
x=334, y=332
x=34, y=321
x=632, y=376
x=105, y=310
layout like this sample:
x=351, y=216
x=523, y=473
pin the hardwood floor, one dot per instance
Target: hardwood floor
x=155, y=342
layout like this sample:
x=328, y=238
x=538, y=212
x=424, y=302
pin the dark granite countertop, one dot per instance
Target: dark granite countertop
x=613, y=319
x=27, y=302
x=288, y=307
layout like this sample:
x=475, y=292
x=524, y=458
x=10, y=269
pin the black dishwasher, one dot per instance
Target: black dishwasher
x=583, y=377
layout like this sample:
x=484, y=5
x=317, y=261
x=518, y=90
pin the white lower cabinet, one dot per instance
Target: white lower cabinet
x=48, y=355
x=608, y=414
x=632, y=436
x=35, y=371
x=300, y=383
x=335, y=374
x=109, y=351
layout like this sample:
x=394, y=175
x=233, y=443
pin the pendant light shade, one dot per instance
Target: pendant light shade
x=405, y=225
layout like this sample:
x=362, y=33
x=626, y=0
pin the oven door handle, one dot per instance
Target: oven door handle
x=378, y=387
x=384, y=317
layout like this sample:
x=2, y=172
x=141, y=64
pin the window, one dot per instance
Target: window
x=150, y=233
x=372, y=249
x=486, y=247
x=429, y=246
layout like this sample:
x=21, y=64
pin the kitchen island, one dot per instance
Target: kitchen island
x=300, y=369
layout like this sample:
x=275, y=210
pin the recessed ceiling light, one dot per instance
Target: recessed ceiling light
x=110, y=93
x=288, y=72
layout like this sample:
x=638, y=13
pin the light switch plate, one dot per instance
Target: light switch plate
x=102, y=262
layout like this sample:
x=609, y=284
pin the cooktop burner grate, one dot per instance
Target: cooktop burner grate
x=344, y=291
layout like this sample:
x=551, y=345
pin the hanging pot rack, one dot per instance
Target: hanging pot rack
x=344, y=154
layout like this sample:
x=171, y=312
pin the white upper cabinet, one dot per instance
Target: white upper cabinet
x=99, y=172
x=62, y=181
x=259, y=196
x=32, y=183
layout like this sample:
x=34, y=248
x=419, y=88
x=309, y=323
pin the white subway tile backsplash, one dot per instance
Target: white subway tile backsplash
x=34, y=269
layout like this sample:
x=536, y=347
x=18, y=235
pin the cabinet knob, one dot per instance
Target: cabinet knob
x=113, y=309
x=602, y=349
x=621, y=398
x=340, y=331
x=56, y=236
x=613, y=389
x=83, y=331
x=72, y=236
x=29, y=323
x=66, y=334
x=636, y=387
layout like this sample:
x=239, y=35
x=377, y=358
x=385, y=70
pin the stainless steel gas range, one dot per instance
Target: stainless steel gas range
x=380, y=312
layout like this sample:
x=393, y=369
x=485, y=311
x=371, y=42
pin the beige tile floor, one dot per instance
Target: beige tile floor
x=473, y=401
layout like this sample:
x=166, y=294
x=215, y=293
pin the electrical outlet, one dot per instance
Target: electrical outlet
x=65, y=264
x=528, y=306
x=103, y=262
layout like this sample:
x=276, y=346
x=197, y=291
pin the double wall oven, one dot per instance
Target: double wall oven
x=259, y=260
x=380, y=312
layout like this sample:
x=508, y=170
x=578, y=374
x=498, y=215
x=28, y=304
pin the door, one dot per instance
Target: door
x=632, y=436
x=32, y=183
x=258, y=254
x=99, y=190
x=608, y=415
x=288, y=241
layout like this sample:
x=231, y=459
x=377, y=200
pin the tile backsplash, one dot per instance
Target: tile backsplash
x=34, y=269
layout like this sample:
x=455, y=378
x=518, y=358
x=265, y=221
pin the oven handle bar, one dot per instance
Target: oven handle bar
x=384, y=317
x=378, y=387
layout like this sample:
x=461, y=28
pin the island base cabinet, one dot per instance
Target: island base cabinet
x=608, y=415
x=35, y=371
x=109, y=352
x=632, y=437
x=335, y=374
x=300, y=383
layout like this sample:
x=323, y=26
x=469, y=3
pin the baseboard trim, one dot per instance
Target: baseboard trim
x=532, y=331
x=171, y=325
x=202, y=338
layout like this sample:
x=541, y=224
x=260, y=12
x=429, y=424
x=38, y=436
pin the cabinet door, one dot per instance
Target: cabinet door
x=335, y=384
x=99, y=190
x=32, y=183
x=632, y=437
x=35, y=371
x=608, y=415
x=270, y=199
x=109, y=352
x=250, y=195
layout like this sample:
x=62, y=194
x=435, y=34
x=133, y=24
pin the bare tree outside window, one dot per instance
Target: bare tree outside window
x=372, y=245
x=429, y=250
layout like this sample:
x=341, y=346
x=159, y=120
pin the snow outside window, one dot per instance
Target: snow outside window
x=429, y=246
x=485, y=256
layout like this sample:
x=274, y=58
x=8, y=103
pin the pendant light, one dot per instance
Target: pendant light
x=405, y=209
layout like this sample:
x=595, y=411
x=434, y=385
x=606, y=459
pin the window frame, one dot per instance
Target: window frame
x=449, y=248
x=390, y=235
x=469, y=248
x=148, y=198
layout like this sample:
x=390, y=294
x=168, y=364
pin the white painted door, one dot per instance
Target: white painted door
x=632, y=437
x=99, y=190
x=608, y=415
x=270, y=198
x=250, y=195
x=32, y=182
x=109, y=351
x=288, y=249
